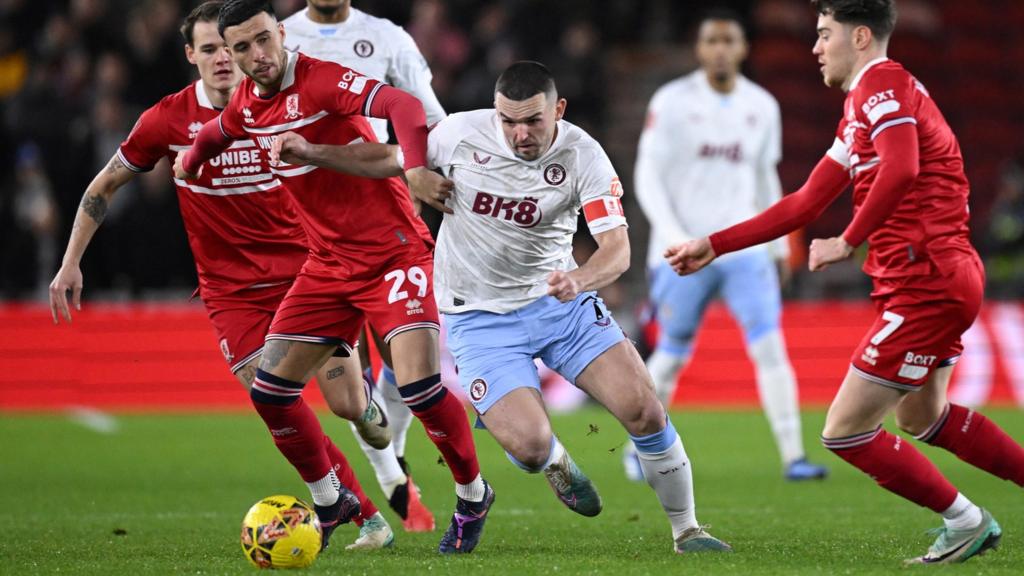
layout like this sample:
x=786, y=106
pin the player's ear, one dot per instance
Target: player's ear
x=280, y=28
x=862, y=37
x=560, y=108
x=190, y=54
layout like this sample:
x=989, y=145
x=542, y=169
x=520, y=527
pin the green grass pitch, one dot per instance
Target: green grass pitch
x=165, y=494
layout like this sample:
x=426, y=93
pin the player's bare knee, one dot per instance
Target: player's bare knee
x=345, y=409
x=415, y=355
x=915, y=419
x=532, y=451
x=645, y=417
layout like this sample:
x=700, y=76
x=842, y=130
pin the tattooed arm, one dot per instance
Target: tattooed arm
x=90, y=215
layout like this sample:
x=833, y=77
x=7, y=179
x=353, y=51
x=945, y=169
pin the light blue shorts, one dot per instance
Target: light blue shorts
x=748, y=282
x=494, y=352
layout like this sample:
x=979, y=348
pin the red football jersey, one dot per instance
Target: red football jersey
x=242, y=226
x=928, y=230
x=355, y=225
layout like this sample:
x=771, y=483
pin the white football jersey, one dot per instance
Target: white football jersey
x=707, y=160
x=375, y=47
x=514, y=219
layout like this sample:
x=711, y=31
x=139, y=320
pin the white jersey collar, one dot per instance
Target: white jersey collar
x=856, y=79
x=705, y=86
x=353, y=16
x=202, y=97
x=289, y=74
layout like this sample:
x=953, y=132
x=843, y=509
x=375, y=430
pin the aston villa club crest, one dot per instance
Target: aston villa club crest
x=291, y=105
x=363, y=48
x=554, y=174
x=478, y=389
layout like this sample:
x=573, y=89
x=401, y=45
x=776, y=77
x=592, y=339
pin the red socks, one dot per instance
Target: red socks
x=978, y=441
x=897, y=466
x=444, y=419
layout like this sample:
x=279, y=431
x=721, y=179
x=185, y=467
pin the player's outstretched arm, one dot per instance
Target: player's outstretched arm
x=91, y=212
x=407, y=117
x=366, y=159
x=828, y=179
x=605, y=266
x=898, y=167
x=209, y=142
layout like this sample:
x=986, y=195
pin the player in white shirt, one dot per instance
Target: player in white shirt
x=506, y=281
x=333, y=30
x=707, y=160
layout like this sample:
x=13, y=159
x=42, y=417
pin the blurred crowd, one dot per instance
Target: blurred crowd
x=75, y=74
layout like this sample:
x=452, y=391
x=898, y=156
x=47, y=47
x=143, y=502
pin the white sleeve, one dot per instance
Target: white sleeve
x=652, y=160
x=600, y=192
x=442, y=141
x=768, y=187
x=409, y=71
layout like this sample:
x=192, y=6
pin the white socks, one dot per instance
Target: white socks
x=399, y=415
x=776, y=385
x=474, y=491
x=385, y=464
x=962, y=515
x=668, y=473
x=325, y=490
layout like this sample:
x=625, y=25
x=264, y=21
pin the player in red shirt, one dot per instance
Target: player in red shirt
x=245, y=236
x=910, y=203
x=370, y=255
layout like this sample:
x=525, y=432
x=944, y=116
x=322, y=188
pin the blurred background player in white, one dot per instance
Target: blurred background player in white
x=511, y=291
x=707, y=160
x=333, y=30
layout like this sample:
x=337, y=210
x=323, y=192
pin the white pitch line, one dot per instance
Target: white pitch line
x=93, y=419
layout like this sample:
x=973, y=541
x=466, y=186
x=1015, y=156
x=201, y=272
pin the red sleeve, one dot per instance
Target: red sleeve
x=405, y=112
x=342, y=90
x=210, y=141
x=826, y=182
x=899, y=164
x=230, y=122
x=147, y=142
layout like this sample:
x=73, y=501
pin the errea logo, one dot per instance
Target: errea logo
x=413, y=307
x=248, y=115
x=193, y=129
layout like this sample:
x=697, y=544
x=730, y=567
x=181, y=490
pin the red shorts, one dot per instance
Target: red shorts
x=919, y=326
x=241, y=321
x=326, y=310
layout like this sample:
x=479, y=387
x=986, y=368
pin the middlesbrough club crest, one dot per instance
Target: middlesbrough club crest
x=363, y=48
x=291, y=105
x=478, y=389
x=554, y=174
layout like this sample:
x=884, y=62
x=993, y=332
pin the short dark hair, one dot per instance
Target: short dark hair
x=721, y=14
x=234, y=12
x=205, y=12
x=718, y=14
x=878, y=15
x=524, y=80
